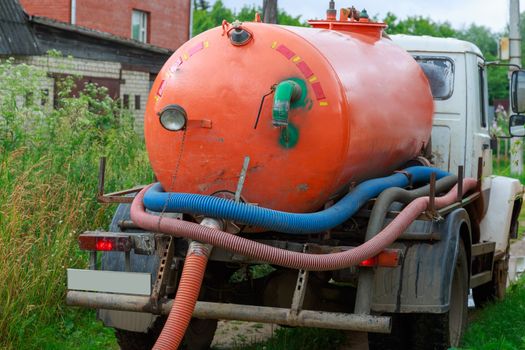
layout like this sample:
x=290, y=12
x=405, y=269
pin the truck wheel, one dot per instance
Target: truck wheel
x=442, y=331
x=199, y=335
x=397, y=339
x=431, y=331
x=495, y=289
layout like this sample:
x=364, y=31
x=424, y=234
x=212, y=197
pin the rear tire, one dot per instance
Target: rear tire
x=494, y=290
x=199, y=335
x=398, y=339
x=442, y=331
x=431, y=331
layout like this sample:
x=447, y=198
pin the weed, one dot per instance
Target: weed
x=500, y=325
x=48, y=165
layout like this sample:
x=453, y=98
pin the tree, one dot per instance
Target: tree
x=204, y=19
x=418, y=25
x=201, y=5
x=270, y=11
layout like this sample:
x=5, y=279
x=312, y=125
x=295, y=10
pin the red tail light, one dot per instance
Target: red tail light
x=105, y=241
x=369, y=262
x=104, y=244
x=387, y=258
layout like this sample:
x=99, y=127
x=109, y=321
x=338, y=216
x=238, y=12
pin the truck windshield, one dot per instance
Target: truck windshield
x=440, y=75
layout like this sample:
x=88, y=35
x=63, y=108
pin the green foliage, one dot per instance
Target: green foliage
x=205, y=18
x=417, y=25
x=48, y=166
x=77, y=329
x=501, y=325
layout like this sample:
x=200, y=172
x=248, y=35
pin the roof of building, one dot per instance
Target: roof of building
x=426, y=43
x=16, y=37
x=21, y=34
x=97, y=34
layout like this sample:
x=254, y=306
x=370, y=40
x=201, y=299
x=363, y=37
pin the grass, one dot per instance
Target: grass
x=48, y=166
x=500, y=326
x=77, y=329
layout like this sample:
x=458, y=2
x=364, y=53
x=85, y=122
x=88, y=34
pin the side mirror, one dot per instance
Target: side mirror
x=517, y=125
x=517, y=91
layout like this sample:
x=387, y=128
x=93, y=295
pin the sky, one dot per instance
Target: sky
x=491, y=13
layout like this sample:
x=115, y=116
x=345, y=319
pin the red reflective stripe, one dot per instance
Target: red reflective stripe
x=176, y=66
x=389, y=258
x=286, y=52
x=369, y=262
x=318, y=91
x=305, y=69
x=160, y=90
x=196, y=49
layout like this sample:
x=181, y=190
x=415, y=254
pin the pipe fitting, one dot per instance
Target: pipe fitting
x=287, y=92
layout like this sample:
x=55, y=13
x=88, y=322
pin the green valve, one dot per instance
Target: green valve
x=289, y=136
x=288, y=94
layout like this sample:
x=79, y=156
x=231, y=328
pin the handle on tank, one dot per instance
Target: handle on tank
x=287, y=92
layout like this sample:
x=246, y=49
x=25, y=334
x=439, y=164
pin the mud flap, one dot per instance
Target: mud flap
x=422, y=282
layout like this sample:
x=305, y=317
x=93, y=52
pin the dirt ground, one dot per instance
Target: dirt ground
x=234, y=333
x=518, y=248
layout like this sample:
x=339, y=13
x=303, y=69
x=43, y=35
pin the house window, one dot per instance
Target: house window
x=44, y=96
x=126, y=101
x=137, y=101
x=139, y=26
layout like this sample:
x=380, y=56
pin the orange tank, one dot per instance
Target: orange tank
x=365, y=109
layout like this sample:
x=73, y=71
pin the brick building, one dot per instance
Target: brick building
x=127, y=67
x=163, y=23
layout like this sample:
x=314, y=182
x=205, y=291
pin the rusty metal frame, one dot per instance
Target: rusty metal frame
x=166, y=259
x=250, y=313
x=300, y=290
x=113, y=197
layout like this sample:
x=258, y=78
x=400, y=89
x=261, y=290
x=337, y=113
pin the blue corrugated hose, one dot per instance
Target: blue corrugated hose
x=158, y=200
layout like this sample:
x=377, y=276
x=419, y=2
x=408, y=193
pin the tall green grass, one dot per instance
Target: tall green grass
x=48, y=176
x=500, y=326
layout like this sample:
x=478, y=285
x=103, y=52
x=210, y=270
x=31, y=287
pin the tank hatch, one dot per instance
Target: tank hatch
x=350, y=20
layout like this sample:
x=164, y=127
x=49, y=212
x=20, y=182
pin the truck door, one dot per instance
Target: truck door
x=477, y=127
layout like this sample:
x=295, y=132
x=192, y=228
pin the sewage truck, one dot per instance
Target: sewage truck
x=330, y=177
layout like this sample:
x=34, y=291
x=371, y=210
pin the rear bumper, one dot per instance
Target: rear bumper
x=209, y=310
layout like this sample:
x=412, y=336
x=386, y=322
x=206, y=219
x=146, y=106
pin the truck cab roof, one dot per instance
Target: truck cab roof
x=426, y=43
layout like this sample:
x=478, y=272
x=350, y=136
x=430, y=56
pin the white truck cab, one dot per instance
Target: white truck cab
x=457, y=75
